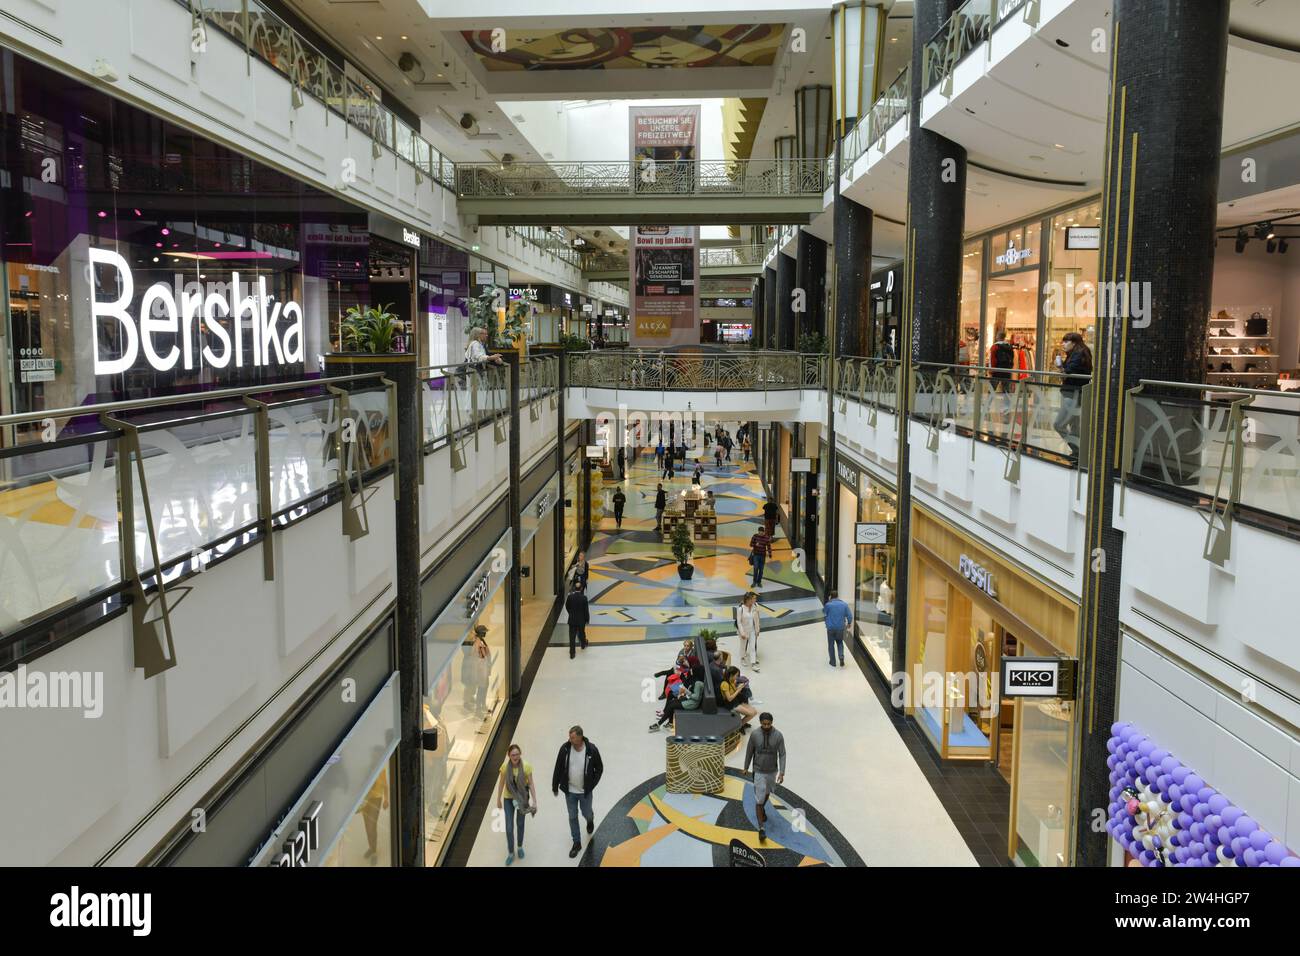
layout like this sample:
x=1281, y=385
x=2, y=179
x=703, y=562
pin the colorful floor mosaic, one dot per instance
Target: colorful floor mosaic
x=635, y=592
x=652, y=827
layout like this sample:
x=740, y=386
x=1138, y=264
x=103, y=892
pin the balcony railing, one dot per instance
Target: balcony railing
x=745, y=255
x=708, y=178
x=131, y=495
x=1034, y=413
x=891, y=106
x=965, y=30
x=264, y=35
x=1227, y=451
x=749, y=371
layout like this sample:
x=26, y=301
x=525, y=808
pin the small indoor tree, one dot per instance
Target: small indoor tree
x=372, y=329
x=683, y=546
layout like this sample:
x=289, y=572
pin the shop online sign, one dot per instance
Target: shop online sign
x=168, y=311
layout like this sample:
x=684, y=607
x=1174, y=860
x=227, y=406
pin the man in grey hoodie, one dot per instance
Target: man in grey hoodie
x=766, y=750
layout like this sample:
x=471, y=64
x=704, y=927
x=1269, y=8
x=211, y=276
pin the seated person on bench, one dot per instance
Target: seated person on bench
x=734, y=694
x=686, y=699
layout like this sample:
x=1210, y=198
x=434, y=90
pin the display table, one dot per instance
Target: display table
x=702, y=524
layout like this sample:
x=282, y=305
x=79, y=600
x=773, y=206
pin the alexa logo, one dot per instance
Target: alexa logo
x=169, y=315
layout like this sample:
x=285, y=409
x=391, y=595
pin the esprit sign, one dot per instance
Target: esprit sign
x=977, y=575
x=171, y=311
x=476, y=597
x=1013, y=256
x=299, y=848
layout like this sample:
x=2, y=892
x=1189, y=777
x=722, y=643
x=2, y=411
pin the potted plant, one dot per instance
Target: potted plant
x=372, y=330
x=483, y=311
x=683, y=546
x=813, y=343
x=573, y=342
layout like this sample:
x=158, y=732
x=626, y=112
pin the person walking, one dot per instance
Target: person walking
x=622, y=474
x=766, y=751
x=745, y=447
x=717, y=454
x=579, y=614
x=620, y=502
x=515, y=780
x=581, y=569
x=578, y=769
x=760, y=549
x=697, y=474
x=659, y=453
x=726, y=444
x=747, y=628
x=668, y=467
x=838, y=619
x=661, y=503
x=771, y=512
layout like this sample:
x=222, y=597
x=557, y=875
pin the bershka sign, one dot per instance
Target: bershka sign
x=169, y=311
x=977, y=575
x=411, y=238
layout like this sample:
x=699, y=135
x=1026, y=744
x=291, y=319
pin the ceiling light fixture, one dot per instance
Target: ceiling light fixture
x=1242, y=239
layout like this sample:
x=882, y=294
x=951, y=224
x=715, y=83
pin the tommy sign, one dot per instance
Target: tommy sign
x=170, y=313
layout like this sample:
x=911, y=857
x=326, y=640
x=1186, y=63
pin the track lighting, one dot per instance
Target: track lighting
x=1242, y=239
x=1281, y=245
x=1270, y=247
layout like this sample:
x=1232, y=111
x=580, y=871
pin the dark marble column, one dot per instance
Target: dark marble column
x=785, y=318
x=936, y=216
x=853, y=224
x=769, y=308
x=936, y=199
x=1159, y=207
x=810, y=276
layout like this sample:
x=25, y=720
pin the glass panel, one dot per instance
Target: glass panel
x=202, y=484
x=367, y=840
x=972, y=275
x=58, y=528
x=930, y=656
x=465, y=704
x=877, y=564
x=1043, y=789
x=1070, y=299
x=303, y=462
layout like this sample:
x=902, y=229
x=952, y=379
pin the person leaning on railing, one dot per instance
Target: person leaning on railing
x=1077, y=363
x=476, y=352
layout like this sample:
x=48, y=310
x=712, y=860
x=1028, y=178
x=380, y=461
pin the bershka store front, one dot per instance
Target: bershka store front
x=971, y=613
x=141, y=259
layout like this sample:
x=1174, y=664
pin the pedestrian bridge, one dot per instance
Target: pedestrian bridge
x=713, y=192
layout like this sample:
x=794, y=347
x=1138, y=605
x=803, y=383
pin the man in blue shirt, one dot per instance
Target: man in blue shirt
x=838, y=619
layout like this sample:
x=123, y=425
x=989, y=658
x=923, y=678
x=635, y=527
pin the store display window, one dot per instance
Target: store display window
x=142, y=259
x=877, y=565
x=367, y=840
x=1070, y=296
x=467, y=660
x=972, y=282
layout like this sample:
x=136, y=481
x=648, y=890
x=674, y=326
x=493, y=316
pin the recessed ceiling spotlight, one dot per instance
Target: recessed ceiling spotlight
x=405, y=37
x=1058, y=146
x=1061, y=43
x=378, y=38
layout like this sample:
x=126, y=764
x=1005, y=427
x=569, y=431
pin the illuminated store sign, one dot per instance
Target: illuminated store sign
x=979, y=576
x=411, y=238
x=1013, y=256
x=476, y=597
x=168, y=311
x=298, y=849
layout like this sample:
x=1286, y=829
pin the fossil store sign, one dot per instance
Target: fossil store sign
x=166, y=331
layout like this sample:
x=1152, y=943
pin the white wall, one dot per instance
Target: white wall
x=1252, y=761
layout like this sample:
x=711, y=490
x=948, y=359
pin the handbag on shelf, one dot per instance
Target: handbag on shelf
x=1257, y=324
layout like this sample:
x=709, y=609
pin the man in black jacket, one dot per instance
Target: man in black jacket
x=579, y=615
x=661, y=502
x=577, y=771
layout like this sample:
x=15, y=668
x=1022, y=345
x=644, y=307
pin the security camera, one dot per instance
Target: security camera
x=467, y=121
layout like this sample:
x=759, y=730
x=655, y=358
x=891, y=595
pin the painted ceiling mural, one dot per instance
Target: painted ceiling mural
x=629, y=48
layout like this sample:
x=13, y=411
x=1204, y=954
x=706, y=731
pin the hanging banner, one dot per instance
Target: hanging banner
x=665, y=262
x=665, y=295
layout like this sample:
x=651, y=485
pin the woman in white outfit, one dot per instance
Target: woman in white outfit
x=747, y=628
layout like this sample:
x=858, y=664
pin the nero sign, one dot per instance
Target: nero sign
x=168, y=314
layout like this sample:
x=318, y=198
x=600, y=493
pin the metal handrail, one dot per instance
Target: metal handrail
x=891, y=106
x=189, y=398
x=740, y=178
x=647, y=370
x=970, y=25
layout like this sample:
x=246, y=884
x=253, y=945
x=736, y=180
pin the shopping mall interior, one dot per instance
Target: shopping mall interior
x=661, y=434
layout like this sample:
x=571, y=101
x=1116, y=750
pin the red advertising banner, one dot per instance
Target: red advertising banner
x=664, y=260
